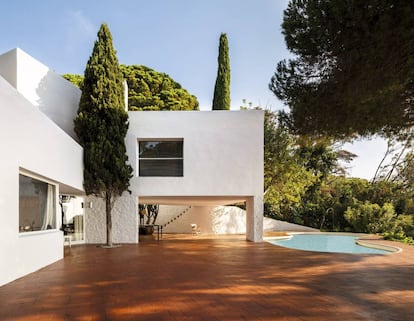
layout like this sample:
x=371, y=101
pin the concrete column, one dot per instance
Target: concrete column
x=254, y=219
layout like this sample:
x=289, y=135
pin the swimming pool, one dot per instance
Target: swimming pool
x=326, y=243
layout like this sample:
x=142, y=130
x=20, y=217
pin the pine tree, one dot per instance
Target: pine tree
x=101, y=126
x=352, y=68
x=221, y=99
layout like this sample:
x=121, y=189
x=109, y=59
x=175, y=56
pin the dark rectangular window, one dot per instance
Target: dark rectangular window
x=162, y=158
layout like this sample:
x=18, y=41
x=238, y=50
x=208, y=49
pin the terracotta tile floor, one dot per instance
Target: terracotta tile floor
x=222, y=278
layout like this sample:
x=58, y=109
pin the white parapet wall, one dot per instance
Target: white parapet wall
x=55, y=97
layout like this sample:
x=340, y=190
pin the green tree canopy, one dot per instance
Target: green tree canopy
x=101, y=126
x=152, y=90
x=286, y=180
x=76, y=80
x=353, y=70
x=221, y=98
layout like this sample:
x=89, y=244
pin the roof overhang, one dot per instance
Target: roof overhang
x=193, y=200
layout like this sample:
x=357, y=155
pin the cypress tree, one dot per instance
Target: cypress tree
x=221, y=99
x=101, y=126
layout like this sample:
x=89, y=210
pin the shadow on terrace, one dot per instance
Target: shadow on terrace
x=221, y=278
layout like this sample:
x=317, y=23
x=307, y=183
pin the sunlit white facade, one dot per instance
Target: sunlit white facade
x=198, y=159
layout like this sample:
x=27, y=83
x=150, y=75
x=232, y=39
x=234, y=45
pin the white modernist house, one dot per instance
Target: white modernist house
x=199, y=159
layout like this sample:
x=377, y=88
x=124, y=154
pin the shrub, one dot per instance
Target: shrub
x=371, y=218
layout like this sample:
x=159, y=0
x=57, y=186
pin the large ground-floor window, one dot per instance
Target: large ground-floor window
x=37, y=204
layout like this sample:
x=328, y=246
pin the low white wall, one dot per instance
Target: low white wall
x=36, y=250
x=275, y=225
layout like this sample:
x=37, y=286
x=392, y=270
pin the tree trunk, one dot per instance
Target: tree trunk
x=108, y=207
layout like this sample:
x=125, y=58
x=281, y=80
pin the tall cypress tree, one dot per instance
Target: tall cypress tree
x=221, y=99
x=101, y=126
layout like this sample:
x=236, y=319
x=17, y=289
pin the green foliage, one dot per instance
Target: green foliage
x=400, y=237
x=370, y=218
x=101, y=126
x=102, y=84
x=353, y=68
x=406, y=172
x=102, y=136
x=76, y=80
x=403, y=231
x=373, y=218
x=285, y=179
x=102, y=123
x=221, y=98
x=152, y=90
x=318, y=156
x=302, y=186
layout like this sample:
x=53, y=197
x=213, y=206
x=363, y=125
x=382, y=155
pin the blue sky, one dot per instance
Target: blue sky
x=178, y=37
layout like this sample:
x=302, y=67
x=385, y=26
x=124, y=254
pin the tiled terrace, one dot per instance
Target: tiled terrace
x=224, y=278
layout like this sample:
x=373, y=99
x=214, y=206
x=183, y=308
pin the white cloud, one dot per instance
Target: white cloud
x=80, y=34
x=82, y=24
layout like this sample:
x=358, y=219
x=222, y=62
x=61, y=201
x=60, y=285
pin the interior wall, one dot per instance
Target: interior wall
x=209, y=219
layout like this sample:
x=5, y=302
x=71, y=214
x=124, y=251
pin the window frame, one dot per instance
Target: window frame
x=179, y=158
x=55, y=209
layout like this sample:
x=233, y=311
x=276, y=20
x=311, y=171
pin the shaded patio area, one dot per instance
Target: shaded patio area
x=213, y=278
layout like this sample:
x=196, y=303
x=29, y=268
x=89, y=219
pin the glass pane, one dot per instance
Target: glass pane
x=161, y=167
x=73, y=217
x=161, y=149
x=37, y=205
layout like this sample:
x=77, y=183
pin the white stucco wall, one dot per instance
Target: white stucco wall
x=210, y=220
x=223, y=158
x=124, y=220
x=223, y=152
x=217, y=220
x=8, y=67
x=56, y=97
x=31, y=141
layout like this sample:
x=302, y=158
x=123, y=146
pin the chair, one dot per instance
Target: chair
x=68, y=239
x=195, y=229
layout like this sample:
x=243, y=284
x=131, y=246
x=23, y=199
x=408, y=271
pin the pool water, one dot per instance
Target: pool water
x=326, y=243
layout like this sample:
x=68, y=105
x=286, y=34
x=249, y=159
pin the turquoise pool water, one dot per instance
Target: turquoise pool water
x=326, y=243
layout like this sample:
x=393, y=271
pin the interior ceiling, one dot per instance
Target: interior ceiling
x=192, y=200
x=170, y=200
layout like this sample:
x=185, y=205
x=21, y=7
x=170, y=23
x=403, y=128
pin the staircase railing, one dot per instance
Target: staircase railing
x=176, y=217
